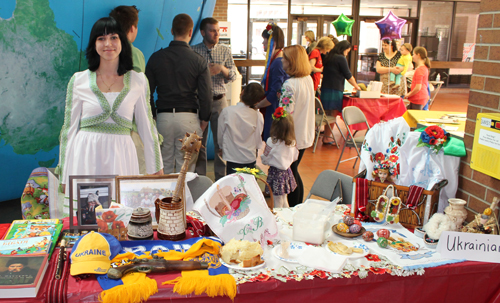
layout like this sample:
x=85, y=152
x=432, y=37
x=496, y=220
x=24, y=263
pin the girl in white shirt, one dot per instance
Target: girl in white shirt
x=281, y=151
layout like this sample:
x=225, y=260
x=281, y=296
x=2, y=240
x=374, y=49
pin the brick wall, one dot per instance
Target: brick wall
x=220, y=11
x=477, y=188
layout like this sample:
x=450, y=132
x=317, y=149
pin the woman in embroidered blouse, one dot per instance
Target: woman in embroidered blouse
x=102, y=105
x=297, y=98
x=274, y=75
x=418, y=96
x=386, y=64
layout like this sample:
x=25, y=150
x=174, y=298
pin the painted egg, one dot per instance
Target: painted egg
x=342, y=227
x=368, y=236
x=383, y=233
x=348, y=220
x=357, y=222
x=354, y=229
x=382, y=242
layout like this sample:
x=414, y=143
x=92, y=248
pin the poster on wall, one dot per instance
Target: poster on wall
x=468, y=55
x=225, y=33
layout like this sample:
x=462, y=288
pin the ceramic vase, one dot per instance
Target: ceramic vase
x=457, y=212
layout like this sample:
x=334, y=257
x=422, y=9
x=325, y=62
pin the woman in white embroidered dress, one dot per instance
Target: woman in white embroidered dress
x=297, y=97
x=102, y=104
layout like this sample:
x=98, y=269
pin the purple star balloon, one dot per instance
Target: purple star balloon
x=390, y=26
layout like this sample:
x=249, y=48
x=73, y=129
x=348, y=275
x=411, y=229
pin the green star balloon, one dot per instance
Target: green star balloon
x=343, y=25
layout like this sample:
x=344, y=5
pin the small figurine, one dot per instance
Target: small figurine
x=485, y=223
x=382, y=175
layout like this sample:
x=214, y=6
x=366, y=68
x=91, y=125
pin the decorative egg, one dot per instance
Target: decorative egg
x=342, y=227
x=382, y=242
x=354, y=229
x=357, y=222
x=348, y=220
x=383, y=233
x=368, y=236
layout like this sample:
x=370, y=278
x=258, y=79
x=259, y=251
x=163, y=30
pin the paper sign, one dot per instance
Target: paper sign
x=469, y=246
x=489, y=138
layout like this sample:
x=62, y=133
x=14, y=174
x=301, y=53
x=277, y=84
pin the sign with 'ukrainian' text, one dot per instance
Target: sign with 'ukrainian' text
x=469, y=246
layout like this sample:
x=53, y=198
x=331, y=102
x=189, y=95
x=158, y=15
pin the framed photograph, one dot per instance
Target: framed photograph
x=86, y=193
x=142, y=191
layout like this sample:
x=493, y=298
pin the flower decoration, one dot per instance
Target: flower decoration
x=252, y=171
x=269, y=28
x=279, y=113
x=109, y=216
x=433, y=137
x=372, y=257
x=379, y=157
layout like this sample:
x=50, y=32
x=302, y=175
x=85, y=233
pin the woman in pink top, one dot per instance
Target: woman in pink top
x=418, y=95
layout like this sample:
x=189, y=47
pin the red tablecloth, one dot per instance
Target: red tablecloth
x=461, y=282
x=376, y=110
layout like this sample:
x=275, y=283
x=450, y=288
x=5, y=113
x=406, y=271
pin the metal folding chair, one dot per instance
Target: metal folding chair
x=324, y=186
x=323, y=119
x=352, y=115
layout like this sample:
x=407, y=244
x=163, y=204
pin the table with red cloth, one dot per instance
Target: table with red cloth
x=376, y=110
x=459, y=282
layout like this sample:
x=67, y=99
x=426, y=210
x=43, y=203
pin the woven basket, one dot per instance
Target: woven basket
x=409, y=218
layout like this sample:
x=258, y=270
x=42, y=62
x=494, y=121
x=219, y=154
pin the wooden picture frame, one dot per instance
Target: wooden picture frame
x=142, y=191
x=83, y=185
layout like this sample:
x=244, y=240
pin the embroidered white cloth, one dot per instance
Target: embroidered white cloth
x=383, y=143
x=422, y=258
x=234, y=207
x=424, y=168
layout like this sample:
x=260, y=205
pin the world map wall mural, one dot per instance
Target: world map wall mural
x=42, y=43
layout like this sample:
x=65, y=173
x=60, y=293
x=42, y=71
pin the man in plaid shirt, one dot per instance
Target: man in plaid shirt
x=222, y=70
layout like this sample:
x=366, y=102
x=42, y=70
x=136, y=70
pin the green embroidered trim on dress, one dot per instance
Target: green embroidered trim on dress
x=107, y=110
x=154, y=131
x=65, y=129
x=107, y=128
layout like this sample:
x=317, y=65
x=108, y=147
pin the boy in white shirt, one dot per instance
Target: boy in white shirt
x=240, y=129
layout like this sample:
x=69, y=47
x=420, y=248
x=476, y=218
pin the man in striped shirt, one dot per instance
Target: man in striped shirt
x=223, y=71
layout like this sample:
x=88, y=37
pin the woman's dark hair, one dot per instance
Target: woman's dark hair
x=338, y=49
x=278, y=36
x=391, y=42
x=102, y=27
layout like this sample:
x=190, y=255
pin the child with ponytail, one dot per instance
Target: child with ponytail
x=281, y=151
x=418, y=96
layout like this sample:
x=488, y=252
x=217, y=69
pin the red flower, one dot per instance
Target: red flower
x=279, y=112
x=432, y=141
x=394, y=149
x=372, y=257
x=317, y=273
x=117, y=225
x=435, y=131
x=109, y=216
x=371, y=158
x=393, y=158
x=269, y=242
x=14, y=252
x=392, y=139
x=262, y=277
x=103, y=226
x=379, y=157
x=269, y=27
x=377, y=271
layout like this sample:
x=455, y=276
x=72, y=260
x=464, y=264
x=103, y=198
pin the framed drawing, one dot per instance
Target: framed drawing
x=86, y=193
x=142, y=191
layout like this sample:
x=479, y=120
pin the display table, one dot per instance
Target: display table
x=376, y=110
x=417, y=118
x=459, y=282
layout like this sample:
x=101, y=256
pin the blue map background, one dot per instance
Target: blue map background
x=75, y=18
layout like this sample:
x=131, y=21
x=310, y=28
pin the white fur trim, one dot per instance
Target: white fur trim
x=437, y=224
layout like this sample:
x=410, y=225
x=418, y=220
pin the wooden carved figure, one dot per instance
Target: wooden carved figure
x=171, y=211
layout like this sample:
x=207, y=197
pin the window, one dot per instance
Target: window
x=434, y=28
x=464, y=28
x=321, y=7
x=400, y=8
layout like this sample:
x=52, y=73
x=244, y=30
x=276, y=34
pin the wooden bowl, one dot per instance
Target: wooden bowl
x=348, y=235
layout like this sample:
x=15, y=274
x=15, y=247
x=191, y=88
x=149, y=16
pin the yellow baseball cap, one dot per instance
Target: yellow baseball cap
x=92, y=253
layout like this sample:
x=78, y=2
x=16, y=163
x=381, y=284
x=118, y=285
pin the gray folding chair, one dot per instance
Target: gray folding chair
x=323, y=119
x=324, y=186
x=198, y=186
x=352, y=115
